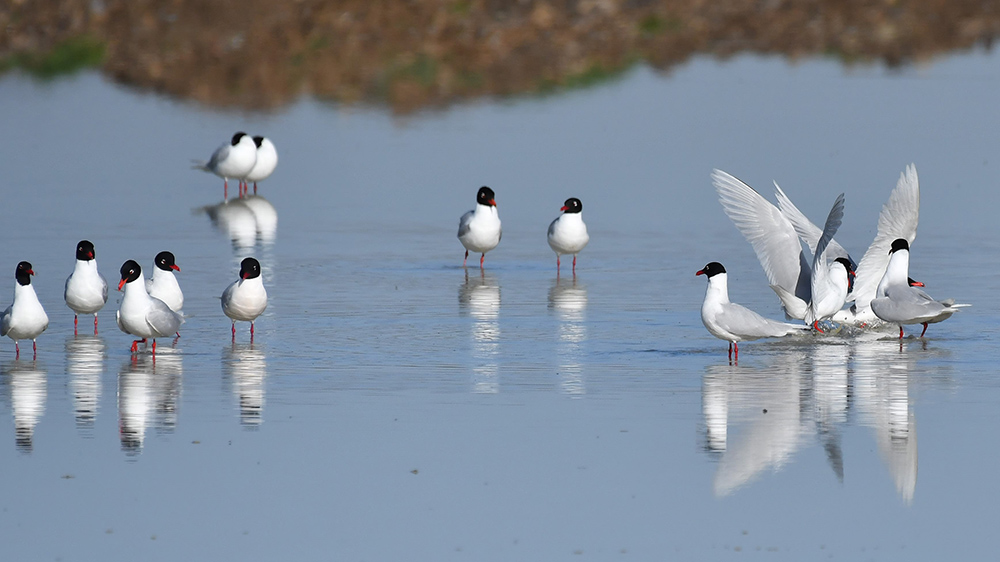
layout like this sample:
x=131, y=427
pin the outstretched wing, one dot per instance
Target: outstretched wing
x=898, y=219
x=770, y=233
x=809, y=232
x=833, y=222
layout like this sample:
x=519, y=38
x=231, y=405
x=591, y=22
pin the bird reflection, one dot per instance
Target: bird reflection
x=247, y=220
x=27, y=380
x=149, y=391
x=882, y=398
x=246, y=368
x=85, y=365
x=479, y=297
x=767, y=403
x=568, y=299
x=756, y=419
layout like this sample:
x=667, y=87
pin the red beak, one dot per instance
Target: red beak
x=90, y=255
x=121, y=284
x=564, y=208
x=174, y=267
x=31, y=272
x=492, y=202
x=700, y=272
x=244, y=276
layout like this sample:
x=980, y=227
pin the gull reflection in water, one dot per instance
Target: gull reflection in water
x=85, y=365
x=882, y=399
x=245, y=220
x=767, y=406
x=568, y=299
x=246, y=368
x=149, y=390
x=27, y=380
x=757, y=418
x=479, y=297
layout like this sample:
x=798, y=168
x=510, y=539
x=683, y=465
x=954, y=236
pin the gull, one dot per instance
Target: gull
x=267, y=161
x=733, y=322
x=234, y=159
x=24, y=319
x=140, y=314
x=86, y=289
x=479, y=229
x=568, y=232
x=245, y=299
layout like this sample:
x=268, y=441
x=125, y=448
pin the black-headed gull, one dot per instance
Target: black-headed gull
x=568, y=233
x=86, y=289
x=25, y=318
x=733, y=322
x=234, y=160
x=898, y=302
x=267, y=161
x=479, y=229
x=162, y=284
x=774, y=236
x=140, y=314
x=245, y=299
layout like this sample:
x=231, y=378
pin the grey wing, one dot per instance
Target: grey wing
x=809, y=232
x=769, y=232
x=463, y=223
x=833, y=222
x=104, y=287
x=163, y=320
x=898, y=219
x=904, y=303
x=742, y=321
x=219, y=155
x=5, y=322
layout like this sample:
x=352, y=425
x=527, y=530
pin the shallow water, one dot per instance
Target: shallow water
x=394, y=405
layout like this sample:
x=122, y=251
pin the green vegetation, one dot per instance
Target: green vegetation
x=65, y=58
x=653, y=25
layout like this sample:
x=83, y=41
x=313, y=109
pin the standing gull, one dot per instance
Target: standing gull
x=24, y=319
x=234, y=159
x=245, y=299
x=479, y=229
x=86, y=289
x=568, y=233
x=140, y=314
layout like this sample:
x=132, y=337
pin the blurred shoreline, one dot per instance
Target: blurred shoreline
x=262, y=55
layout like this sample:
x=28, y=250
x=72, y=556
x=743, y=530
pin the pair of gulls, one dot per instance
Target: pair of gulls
x=149, y=309
x=479, y=229
x=244, y=158
x=816, y=290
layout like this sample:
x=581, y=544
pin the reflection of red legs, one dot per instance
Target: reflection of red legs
x=466, y=258
x=924, y=330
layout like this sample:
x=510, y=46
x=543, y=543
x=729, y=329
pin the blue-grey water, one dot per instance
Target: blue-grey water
x=394, y=406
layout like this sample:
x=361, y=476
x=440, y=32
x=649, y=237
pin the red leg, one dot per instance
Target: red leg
x=225, y=188
x=736, y=351
x=558, y=265
x=74, y=324
x=251, y=331
x=924, y=330
x=95, y=323
x=730, y=351
x=178, y=334
x=234, y=330
x=900, y=331
x=255, y=188
x=466, y=258
x=816, y=327
x=17, y=350
x=482, y=258
x=154, y=346
x=135, y=345
x=34, y=350
x=574, y=264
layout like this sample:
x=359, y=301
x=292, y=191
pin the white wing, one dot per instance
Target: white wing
x=809, y=232
x=770, y=233
x=898, y=219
